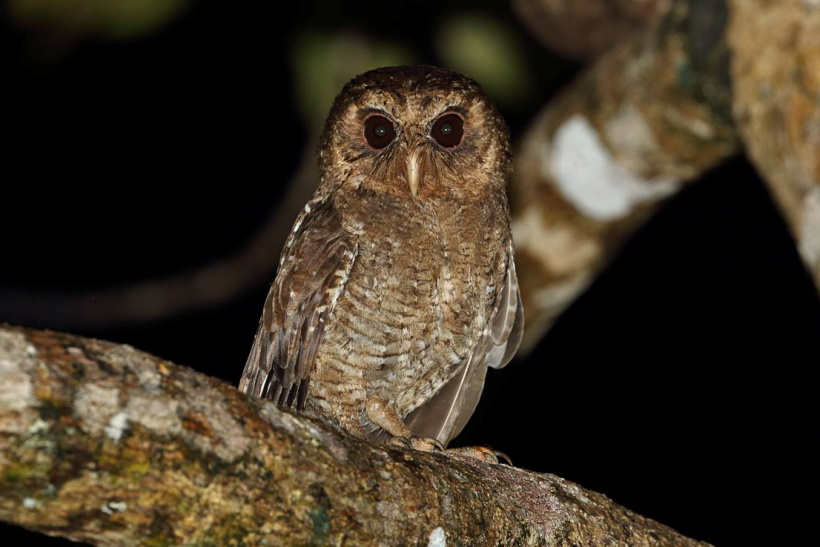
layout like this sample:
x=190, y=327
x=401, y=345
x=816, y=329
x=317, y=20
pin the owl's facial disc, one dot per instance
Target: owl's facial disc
x=416, y=132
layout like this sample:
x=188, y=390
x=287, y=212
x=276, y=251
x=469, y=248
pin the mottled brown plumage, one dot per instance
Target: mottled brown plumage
x=396, y=287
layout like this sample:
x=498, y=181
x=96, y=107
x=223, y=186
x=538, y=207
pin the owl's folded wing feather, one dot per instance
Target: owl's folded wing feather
x=445, y=415
x=313, y=270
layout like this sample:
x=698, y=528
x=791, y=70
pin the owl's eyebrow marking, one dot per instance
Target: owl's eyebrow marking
x=365, y=112
x=454, y=108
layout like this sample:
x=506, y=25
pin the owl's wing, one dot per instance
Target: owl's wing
x=445, y=415
x=313, y=270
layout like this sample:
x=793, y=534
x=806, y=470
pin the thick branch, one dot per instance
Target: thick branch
x=650, y=116
x=776, y=76
x=585, y=29
x=104, y=444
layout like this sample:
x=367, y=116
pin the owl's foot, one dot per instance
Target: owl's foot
x=399, y=442
x=481, y=453
x=384, y=415
x=423, y=444
x=427, y=444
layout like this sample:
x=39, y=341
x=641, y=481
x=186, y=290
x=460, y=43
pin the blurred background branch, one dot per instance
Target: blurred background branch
x=586, y=29
x=652, y=114
x=776, y=79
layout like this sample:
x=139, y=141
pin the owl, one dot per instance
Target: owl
x=396, y=287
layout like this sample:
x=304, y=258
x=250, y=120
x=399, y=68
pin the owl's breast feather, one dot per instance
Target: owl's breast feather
x=416, y=300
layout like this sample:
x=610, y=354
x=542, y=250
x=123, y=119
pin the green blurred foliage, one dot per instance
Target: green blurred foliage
x=488, y=51
x=324, y=62
x=101, y=19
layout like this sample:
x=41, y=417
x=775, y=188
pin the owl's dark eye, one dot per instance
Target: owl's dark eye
x=378, y=131
x=448, y=130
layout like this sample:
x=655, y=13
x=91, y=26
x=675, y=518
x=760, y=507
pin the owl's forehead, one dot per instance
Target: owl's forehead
x=412, y=91
x=408, y=101
x=401, y=103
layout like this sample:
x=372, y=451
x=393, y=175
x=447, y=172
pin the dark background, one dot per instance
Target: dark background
x=680, y=385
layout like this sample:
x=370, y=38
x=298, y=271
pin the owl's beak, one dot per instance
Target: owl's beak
x=413, y=162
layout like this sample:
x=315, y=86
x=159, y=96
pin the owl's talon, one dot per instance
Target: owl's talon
x=481, y=453
x=397, y=441
x=427, y=444
x=501, y=455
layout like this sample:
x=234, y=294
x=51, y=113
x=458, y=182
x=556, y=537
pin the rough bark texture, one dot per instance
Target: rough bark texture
x=776, y=77
x=585, y=29
x=651, y=115
x=105, y=444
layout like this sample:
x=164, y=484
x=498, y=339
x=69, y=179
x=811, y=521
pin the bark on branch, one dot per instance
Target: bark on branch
x=105, y=444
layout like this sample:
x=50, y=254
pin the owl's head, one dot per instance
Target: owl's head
x=417, y=131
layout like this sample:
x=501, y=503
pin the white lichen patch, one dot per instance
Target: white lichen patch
x=388, y=509
x=113, y=507
x=590, y=178
x=558, y=248
x=230, y=436
x=278, y=419
x=29, y=503
x=437, y=538
x=16, y=389
x=157, y=414
x=809, y=231
x=150, y=379
x=40, y=426
x=139, y=362
x=116, y=426
x=95, y=405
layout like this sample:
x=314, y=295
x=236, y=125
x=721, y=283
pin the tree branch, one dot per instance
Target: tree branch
x=648, y=117
x=776, y=77
x=105, y=444
x=585, y=29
